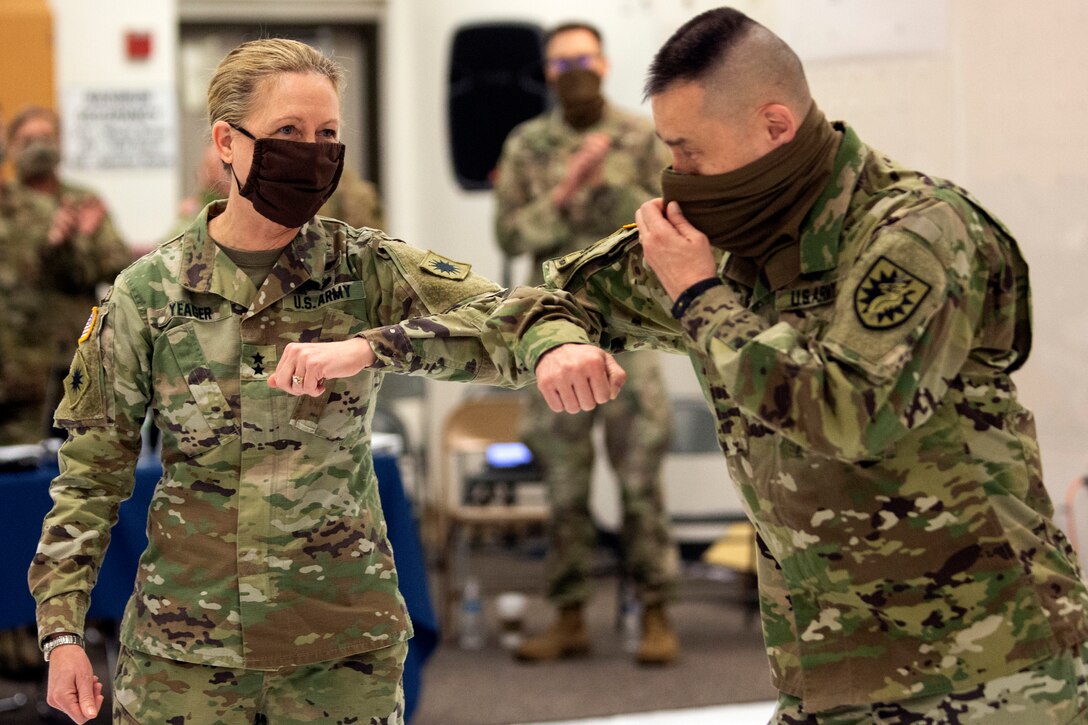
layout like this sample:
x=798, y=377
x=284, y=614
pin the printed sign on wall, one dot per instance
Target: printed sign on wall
x=106, y=128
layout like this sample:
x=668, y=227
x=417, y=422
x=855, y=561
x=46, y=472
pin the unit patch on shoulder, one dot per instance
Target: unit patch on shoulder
x=88, y=329
x=888, y=295
x=441, y=266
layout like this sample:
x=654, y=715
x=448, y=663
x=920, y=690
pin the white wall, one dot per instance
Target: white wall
x=89, y=38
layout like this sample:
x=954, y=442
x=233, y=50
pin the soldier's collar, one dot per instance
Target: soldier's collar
x=197, y=259
x=304, y=258
x=819, y=243
x=782, y=268
x=818, y=248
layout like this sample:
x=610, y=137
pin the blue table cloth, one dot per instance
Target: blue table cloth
x=24, y=497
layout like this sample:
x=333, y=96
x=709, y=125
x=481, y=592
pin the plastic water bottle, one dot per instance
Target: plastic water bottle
x=632, y=624
x=472, y=616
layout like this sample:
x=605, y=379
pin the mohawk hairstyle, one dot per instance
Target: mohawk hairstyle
x=697, y=48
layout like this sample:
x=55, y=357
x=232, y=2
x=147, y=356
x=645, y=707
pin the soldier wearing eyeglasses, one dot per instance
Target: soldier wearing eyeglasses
x=566, y=179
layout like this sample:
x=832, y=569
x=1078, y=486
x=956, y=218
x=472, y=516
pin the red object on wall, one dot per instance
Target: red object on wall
x=137, y=45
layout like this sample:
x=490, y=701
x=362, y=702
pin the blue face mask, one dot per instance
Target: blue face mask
x=289, y=180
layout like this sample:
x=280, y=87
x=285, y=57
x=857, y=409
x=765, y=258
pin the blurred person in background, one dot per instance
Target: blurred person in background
x=22, y=420
x=566, y=179
x=61, y=245
x=356, y=202
x=212, y=184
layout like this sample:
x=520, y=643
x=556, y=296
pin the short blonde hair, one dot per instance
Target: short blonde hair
x=237, y=77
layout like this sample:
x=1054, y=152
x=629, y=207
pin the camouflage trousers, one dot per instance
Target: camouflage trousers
x=361, y=688
x=636, y=429
x=1052, y=692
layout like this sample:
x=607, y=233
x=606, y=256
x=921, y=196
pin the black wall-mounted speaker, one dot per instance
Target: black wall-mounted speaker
x=496, y=81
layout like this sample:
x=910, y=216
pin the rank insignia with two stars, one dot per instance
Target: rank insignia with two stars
x=888, y=295
x=444, y=267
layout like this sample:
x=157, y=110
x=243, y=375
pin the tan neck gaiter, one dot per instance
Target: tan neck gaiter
x=757, y=210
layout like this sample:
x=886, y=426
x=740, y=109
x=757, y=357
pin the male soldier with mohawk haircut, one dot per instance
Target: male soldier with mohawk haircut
x=854, y=325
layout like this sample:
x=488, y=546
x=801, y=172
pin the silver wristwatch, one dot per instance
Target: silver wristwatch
x=57, y=640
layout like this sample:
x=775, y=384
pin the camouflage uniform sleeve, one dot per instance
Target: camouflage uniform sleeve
x=902, y=327
x=106, y=395
x=434, y=311
x=604, y=295
x=524, y=224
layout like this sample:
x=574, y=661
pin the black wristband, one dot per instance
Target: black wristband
x=685, y=298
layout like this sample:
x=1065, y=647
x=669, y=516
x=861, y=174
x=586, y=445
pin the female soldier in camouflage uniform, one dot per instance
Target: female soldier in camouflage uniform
x=268, y=585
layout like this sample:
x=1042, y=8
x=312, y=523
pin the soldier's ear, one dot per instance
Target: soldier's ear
x=222, y=138
x=778, y=125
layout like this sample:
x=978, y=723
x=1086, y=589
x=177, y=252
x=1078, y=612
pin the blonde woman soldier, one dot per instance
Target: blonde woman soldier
x=268, y=585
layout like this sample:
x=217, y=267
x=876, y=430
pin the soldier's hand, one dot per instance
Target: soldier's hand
x=583, y=167
x=90, y=215
x=305, y=366
x=577, y=377
x=65, y=222
x=678, y=253
x=74, y=689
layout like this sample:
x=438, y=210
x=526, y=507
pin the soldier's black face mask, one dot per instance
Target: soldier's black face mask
x=289, y=180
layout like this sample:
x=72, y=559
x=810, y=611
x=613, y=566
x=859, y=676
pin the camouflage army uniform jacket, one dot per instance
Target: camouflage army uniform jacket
x=267, y=544
x=534, y=160
x=870, y=424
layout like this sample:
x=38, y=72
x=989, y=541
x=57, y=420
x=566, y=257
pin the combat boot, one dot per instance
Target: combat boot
x=566, y=638
x=659, y=644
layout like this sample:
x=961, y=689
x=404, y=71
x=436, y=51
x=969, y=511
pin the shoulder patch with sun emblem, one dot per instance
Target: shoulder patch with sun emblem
x=888, y=295
x=444, y=267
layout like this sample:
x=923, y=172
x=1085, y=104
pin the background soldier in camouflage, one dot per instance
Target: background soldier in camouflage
x=212, y=184
x=356, y=202
x=62, y=244
x=21, y=416
x=566, y=179
x=854, y=325
x=268, y=585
